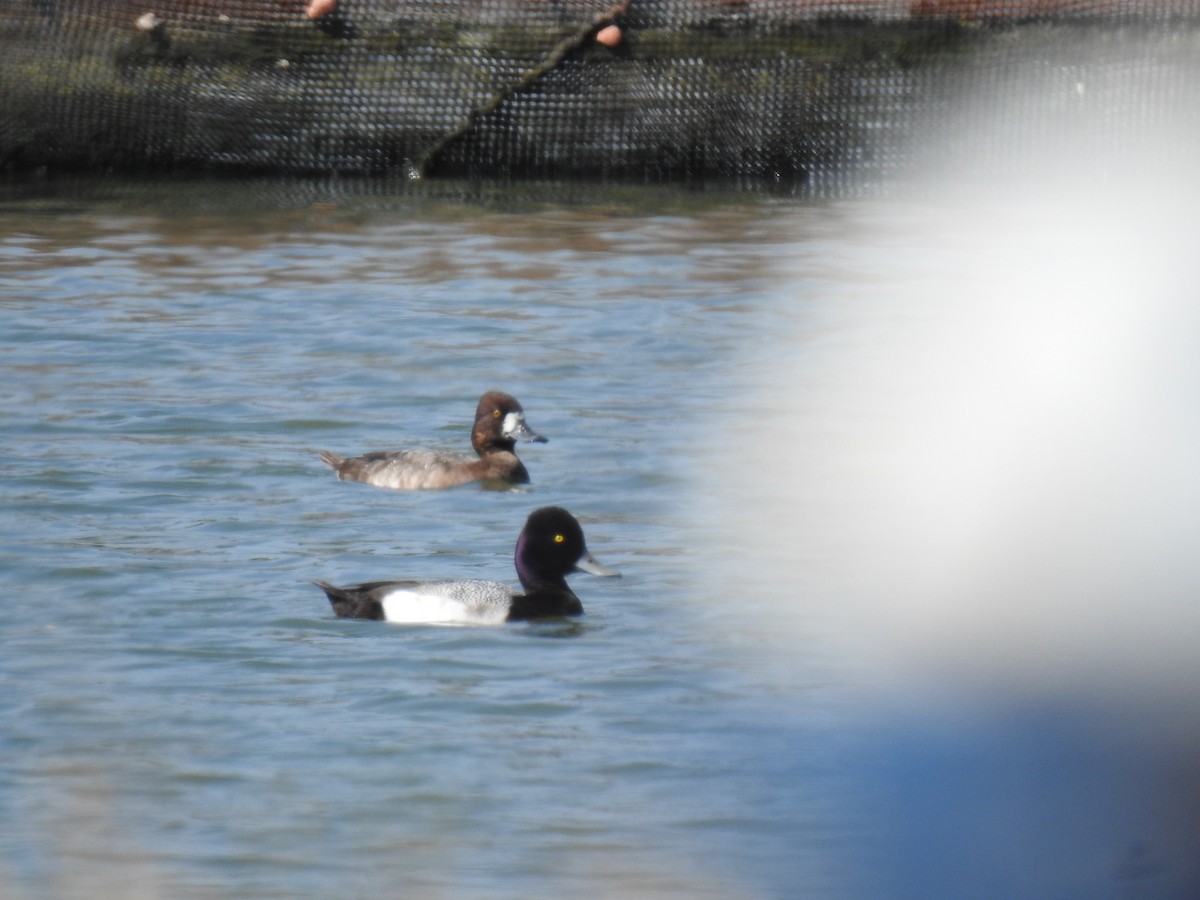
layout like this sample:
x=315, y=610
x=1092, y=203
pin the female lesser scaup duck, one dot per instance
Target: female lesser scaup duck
x=550, y=545
x=499, y=424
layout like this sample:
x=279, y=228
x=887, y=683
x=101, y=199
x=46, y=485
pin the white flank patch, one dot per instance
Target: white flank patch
x=443, y=604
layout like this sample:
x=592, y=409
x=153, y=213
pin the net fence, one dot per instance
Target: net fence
x=761, y=91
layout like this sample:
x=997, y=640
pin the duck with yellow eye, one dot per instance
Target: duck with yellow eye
x=499, y=424
x=550, y=546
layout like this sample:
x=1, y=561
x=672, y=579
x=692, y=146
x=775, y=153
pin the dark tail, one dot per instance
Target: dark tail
x=349, y=603
x=331, y=459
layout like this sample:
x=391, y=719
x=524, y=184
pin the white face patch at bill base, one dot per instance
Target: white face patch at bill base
x=514, y=422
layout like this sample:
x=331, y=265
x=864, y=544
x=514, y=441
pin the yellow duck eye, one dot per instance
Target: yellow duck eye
x=495, y=413
x=558, y=539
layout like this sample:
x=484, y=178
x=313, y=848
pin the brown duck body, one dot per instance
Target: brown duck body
x=413, y=470
x=499, y=424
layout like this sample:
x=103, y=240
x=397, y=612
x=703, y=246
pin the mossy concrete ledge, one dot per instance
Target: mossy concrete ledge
x=445, y=91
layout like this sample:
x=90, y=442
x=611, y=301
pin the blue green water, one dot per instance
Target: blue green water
x=184, y=716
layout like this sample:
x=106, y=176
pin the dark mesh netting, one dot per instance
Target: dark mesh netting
x=776, y=91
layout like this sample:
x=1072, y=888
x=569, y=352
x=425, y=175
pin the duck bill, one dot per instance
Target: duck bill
x=525, y=433
x=591, y=565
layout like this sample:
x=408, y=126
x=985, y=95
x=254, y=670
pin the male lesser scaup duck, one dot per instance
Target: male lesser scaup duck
x=550, y=545
x=499, y=424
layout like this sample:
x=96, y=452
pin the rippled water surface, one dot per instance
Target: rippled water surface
x=184, y=716
x=903, y=497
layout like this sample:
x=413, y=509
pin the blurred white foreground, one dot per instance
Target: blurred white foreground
x=985, y=452
x=970, y=465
